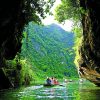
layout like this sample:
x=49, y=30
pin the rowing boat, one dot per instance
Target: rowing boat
x=48, y=85
x=51, y=85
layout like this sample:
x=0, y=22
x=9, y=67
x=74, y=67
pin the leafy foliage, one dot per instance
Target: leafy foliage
x=18, y=72
x=70, y=10
x=49, y=51
x=36, y=9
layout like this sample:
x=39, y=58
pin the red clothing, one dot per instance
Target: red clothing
x=56, y=82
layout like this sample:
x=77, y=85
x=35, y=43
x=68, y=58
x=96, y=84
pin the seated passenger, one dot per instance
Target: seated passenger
x=56, y=81
x=48, y=81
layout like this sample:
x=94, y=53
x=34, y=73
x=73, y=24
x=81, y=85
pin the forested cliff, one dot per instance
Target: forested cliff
x=49, y=50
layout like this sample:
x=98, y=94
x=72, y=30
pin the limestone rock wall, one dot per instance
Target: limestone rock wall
x=12, y=21
x=89, y=62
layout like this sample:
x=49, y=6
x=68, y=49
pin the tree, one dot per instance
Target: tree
x=69, y=9
x=36, y=9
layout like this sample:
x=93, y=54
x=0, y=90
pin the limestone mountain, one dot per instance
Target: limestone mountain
x=49, y=50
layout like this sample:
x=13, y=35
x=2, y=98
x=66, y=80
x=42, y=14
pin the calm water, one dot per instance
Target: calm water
x=70, y=91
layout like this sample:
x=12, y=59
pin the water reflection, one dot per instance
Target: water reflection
x=84, y=91
x=71, y=91
x=90, y=94
x=57, y=93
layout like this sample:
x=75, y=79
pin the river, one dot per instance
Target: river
x=70, y=91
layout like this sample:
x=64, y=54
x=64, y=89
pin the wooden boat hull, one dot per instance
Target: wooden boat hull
x=48, y=85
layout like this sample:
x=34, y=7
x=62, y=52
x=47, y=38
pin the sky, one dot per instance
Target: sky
x=50, y=19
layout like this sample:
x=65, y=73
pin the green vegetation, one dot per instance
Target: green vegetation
x=35, y=10
x=18, y=72
x=70, y=10
x=48, y=51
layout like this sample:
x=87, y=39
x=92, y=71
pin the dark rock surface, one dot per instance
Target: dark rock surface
x=12, y=21
x=89, y=62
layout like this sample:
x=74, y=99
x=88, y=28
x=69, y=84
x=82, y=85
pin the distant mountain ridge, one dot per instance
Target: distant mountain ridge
x=49, y=50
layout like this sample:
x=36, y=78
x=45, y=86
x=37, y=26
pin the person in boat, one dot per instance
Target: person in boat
x=48, y=81
x=54, y=81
